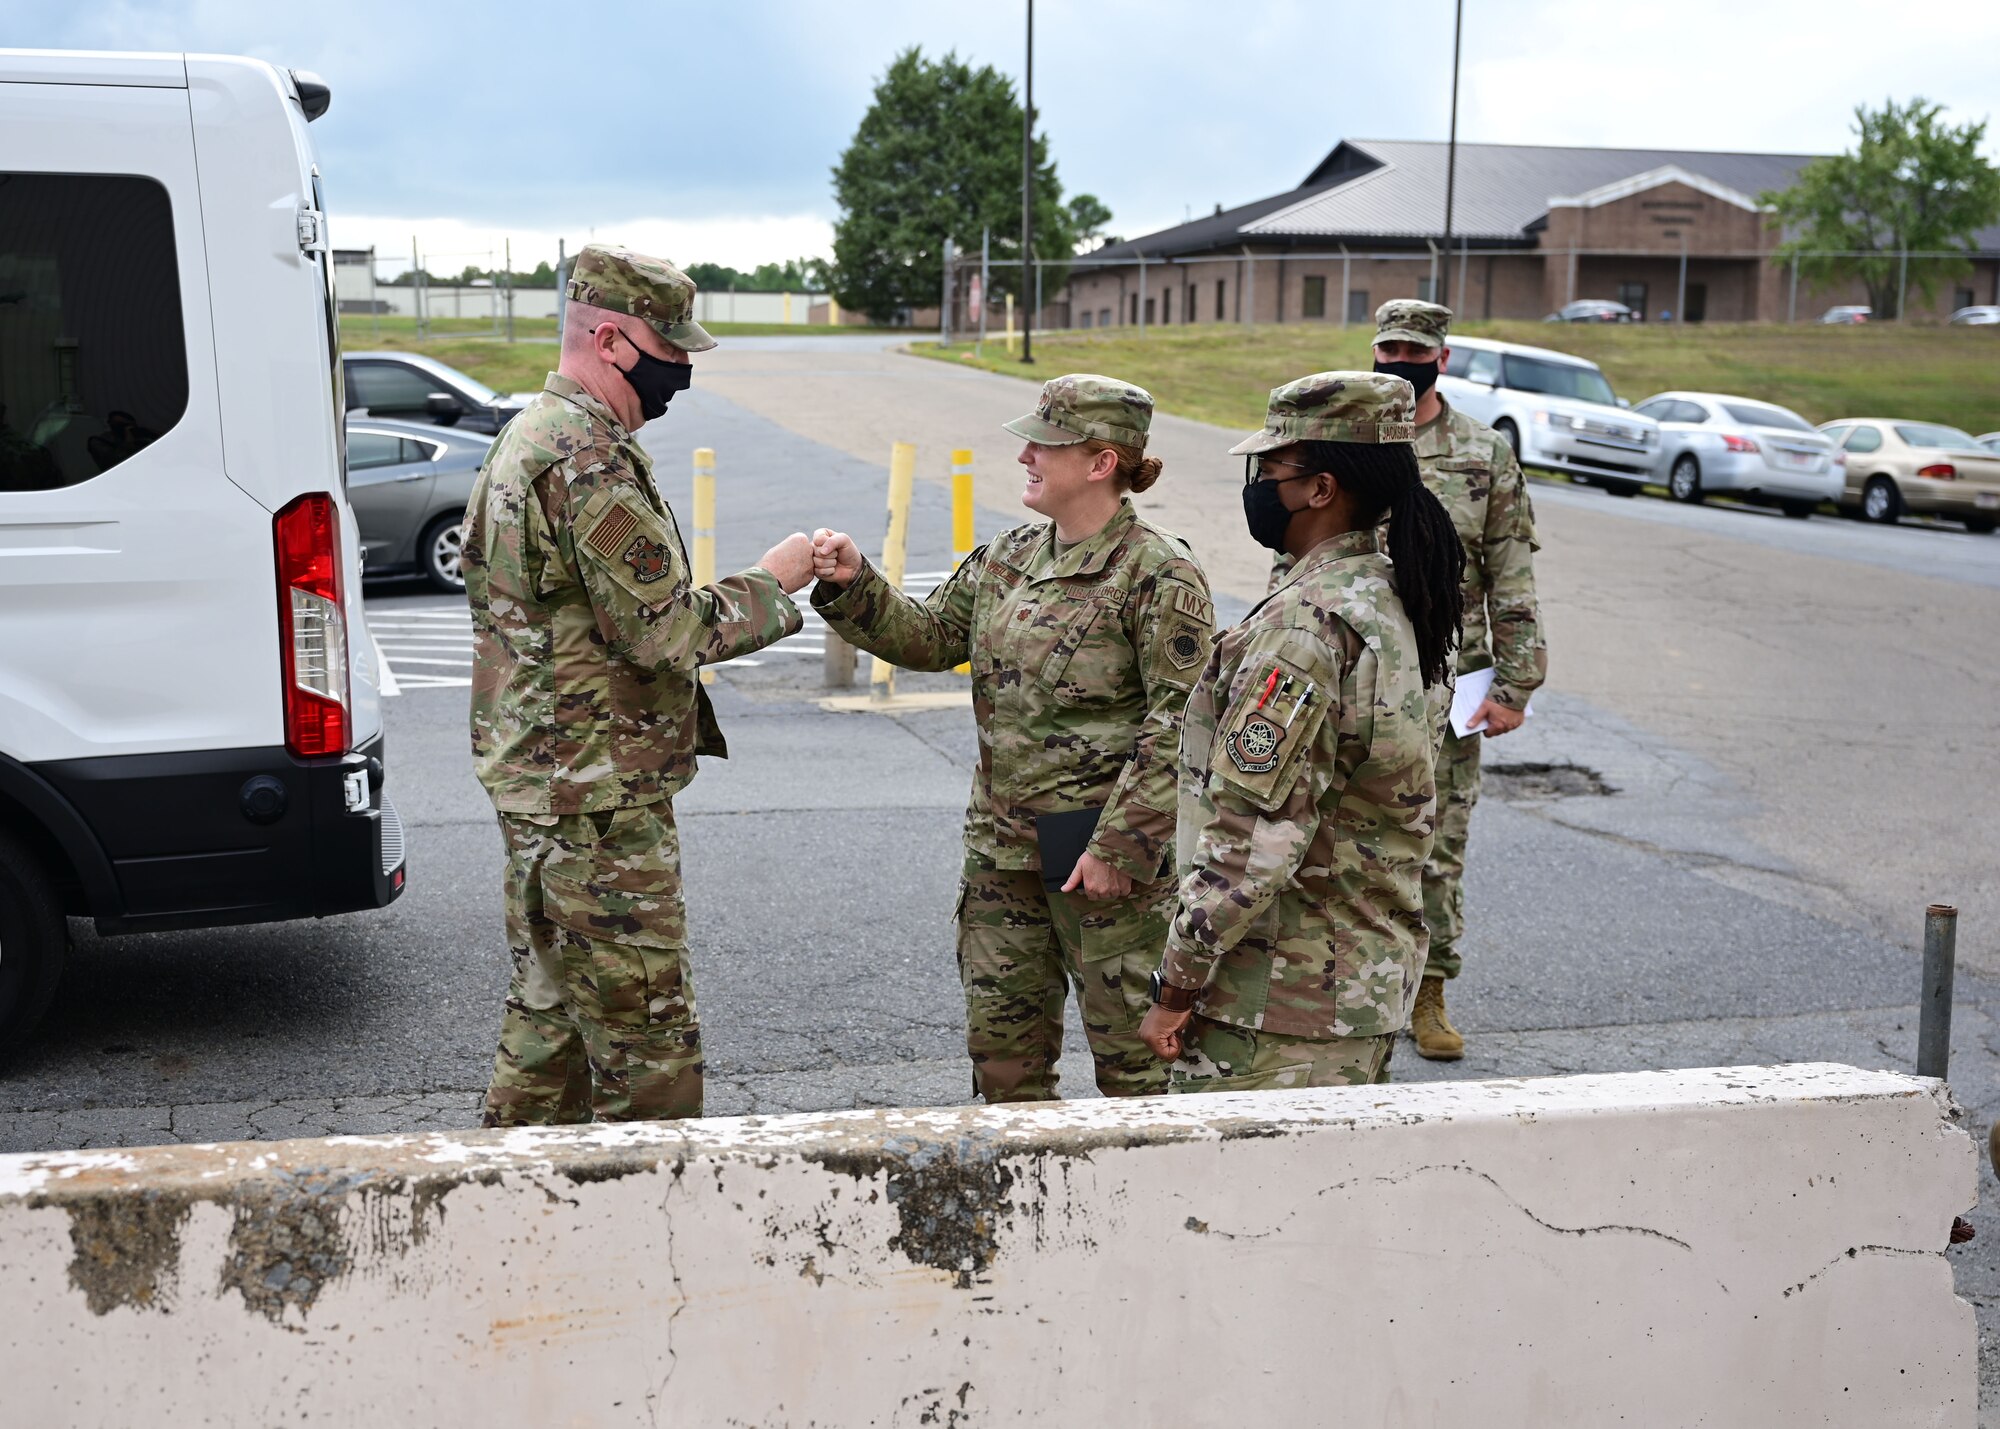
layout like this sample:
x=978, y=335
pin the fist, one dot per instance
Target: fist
x=791, y=561
x=836, y=560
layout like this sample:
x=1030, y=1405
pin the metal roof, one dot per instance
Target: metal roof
x=1392, y=190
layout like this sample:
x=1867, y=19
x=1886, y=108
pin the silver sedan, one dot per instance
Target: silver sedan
x=1711, y=442
x=408, y=483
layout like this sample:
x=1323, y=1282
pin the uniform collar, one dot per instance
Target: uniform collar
x=1342, y=547
x=1088, y=556
x=572, y=392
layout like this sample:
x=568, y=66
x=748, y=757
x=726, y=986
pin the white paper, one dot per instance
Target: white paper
x=1469, y=695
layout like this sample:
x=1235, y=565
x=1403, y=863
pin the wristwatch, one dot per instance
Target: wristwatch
x=1174, y=999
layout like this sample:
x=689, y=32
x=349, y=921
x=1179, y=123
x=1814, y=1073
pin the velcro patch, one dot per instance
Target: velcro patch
x=1184, y=648
x=1254, y=745
x=611, y=531
x=646, y=557
x=1190, y=603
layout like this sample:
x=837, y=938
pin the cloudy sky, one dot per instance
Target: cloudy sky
x=707, y=130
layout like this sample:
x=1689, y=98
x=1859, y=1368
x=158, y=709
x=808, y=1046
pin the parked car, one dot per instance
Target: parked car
x=1917, y=467
x=1991, y=441
x=416, y=388
x=1851, y=313
x=1591, y=310
x=191, y=728
x=1710, y=442
x=1983, y=316
x=1556, y=411
x=408, y=483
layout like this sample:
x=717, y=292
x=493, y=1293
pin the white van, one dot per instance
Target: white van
x=190, y=724
x=1556, y=411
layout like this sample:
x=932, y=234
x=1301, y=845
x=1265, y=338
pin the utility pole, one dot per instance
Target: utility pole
x=1028, y=189
x=1441, y=285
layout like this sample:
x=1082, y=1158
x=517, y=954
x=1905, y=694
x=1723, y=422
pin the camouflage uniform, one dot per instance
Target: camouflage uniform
x=1081, y=663
x=1471, y=469
x=587, y=715
x=1307, y=800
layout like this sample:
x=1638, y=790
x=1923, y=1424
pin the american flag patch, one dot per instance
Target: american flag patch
x=613, y=529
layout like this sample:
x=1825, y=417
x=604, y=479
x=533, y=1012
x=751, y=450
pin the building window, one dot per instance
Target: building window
x=1358, y=310
x=1151, y=321
x=1086, y=317
x=1424, y=287
x=1312, y=303
x=1167, y=306
x=1221, y=291
x=1963, y=299
x=1187, y=308
x=93, y=353
x=1132, y=306
x=1104, y=317
x=1633, y=296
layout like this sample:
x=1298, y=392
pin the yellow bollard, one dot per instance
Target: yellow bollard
x=1011, y=350
x=703, y=555
x=961, y=516
x=832, y=311
x=895, y=548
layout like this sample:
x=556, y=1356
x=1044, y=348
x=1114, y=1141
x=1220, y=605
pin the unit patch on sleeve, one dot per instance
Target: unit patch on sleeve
x=1184, y=648
x=647, y=558
x=1254, y=745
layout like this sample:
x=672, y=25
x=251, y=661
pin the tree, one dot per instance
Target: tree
x=1911, y=183
x=1087, y=219
x=937, y=155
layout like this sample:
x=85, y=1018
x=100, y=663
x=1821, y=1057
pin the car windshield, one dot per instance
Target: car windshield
x=1756, y=414
x=1559, y=379
x=1923, y=434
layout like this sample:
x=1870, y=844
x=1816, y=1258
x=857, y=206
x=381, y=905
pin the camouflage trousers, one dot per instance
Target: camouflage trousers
x=600, y=1016
x=1444, y=893
x=1222, y=1057
x=1021, y=945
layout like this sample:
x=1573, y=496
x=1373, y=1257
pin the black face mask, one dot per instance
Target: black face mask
x=654, y=381
x=1421, y=375
x=1265, y=513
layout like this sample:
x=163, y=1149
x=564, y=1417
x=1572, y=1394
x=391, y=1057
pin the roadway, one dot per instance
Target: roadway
x=1766, y=745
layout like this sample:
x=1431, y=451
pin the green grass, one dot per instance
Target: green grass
x=469, y=345
x=1223, y=374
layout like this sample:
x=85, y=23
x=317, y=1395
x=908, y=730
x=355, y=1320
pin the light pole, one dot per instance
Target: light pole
x=1443, y=283
x=1028, y=192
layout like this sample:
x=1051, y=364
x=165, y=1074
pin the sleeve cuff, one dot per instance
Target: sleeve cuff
x=1512, y=696
x=1132, y=854
x=836, y=600
x=1183, y=969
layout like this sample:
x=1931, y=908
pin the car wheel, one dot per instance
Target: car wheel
x=1621, y=488
x=1980, y=525
x=1798, y=510
x=1880, y=501
x=1684, y=481
x=1511, y=435
x=33, y=942
x=441, y=548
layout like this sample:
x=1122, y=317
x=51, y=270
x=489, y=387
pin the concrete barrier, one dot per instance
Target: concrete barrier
x=1721, y=1247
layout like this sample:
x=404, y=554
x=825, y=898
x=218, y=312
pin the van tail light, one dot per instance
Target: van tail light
x=1939, y=471
x=312, y=627
x=1734, y=443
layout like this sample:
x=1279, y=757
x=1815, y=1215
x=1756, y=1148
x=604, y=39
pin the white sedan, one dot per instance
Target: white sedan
x=1710, y=443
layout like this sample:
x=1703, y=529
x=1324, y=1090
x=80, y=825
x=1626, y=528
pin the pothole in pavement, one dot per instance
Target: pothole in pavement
x=1535, y=783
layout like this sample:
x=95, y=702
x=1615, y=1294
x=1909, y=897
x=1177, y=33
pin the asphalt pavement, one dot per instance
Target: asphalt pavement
x=1626, y=908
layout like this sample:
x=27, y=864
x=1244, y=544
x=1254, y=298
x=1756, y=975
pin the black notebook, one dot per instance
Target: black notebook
x=1063, y=839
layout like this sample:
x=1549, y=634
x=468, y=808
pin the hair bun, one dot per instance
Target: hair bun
x=1145, y=475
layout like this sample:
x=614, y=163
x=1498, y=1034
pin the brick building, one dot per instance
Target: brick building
x=1663, y=231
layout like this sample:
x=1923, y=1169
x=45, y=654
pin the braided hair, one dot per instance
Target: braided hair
x=1423, y=545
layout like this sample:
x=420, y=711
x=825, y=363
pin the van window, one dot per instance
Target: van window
x=1558, y=379
x=93, y=355
x=1484, y=367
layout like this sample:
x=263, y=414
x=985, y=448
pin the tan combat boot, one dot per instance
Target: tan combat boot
x=1430, y=1028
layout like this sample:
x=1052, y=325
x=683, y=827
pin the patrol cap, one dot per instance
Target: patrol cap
x=1336, y=407
x=1081, y=405
x=650, y=289
x=1408, y=320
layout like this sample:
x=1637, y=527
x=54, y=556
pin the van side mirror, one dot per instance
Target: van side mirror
x=443, y=408
x=1625, y=402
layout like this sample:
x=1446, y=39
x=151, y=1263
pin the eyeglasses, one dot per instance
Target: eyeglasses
x=1254, y=468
